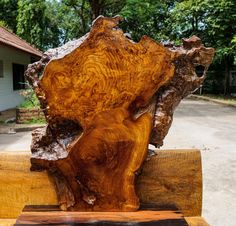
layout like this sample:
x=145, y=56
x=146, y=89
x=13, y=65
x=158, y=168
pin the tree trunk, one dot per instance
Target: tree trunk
x=227, y=76
x=82, y=17
x=97, y=8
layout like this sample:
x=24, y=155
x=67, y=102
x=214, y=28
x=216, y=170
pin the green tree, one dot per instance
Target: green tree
x=77, y=15
x=187, y=18
x=35, y=26
x=214, y=21
x=147, y=17
x=106, y=7
x=221, y=30
x=74, y=18
x=8, y=13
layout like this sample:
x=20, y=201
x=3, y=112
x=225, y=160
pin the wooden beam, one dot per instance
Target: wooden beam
x=173, y=178
x=196, y=221
x=170, y=178
x=192, y=221
x=7, y=222
x=19, y=186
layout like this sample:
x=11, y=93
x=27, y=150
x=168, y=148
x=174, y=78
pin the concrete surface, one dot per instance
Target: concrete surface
x=14, y=127
x=8, y=125
x=212, y=129
x=15, y=141
x=197, y=124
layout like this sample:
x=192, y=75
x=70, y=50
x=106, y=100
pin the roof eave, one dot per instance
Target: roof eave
x=40, y=54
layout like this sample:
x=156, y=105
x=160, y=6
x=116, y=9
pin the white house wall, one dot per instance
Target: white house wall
x=8, y=97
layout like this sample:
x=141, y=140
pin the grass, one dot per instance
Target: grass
x=226, y=99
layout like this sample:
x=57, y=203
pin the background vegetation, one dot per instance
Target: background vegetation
x=50, y=23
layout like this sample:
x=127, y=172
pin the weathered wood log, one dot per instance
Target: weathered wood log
x=172, y=178
x=99, y=96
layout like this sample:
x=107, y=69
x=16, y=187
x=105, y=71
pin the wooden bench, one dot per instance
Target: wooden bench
x=171, y=178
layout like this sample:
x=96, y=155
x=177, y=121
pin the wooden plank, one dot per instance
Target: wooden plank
x=192, y=221
x=196, y=221
x=171, y=178
x=7, y=222
x=34, y=215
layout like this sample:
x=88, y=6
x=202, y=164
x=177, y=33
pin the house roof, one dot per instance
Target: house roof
x=11, y=39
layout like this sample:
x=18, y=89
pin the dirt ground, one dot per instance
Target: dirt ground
x=197, y=124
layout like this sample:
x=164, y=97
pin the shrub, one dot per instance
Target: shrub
x=31, y=101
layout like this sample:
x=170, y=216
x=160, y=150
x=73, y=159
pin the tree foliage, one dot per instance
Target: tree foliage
x=34, y=25
x=77, y=15
x=214, y=21
x=8, y=13
x=147, y=17
x=221, y=26
x=49, y=23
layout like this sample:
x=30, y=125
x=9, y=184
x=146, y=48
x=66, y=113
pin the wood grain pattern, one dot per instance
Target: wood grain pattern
x=105, y=72
x=99, y=87
x=171, y=178
x=105, y=98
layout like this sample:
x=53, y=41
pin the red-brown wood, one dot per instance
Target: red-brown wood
x=46, y=215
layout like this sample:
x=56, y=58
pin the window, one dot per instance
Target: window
x=1, y=69
x=18, y=76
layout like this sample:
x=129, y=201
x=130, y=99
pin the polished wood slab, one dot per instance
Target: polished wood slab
x=192, y=221
x=51, y=215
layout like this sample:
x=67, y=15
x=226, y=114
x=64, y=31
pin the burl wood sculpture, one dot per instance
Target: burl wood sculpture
x=105, y=99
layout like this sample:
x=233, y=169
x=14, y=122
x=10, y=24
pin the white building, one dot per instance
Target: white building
x=15, y=55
